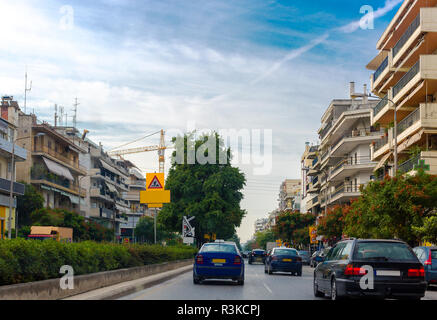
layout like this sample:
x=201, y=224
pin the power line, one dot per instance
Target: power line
x=136, y=140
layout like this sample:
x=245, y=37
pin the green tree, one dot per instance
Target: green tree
x=394, y=208
x=332, y=224
x=293, y=227
x=236, y=239
x=262, y=237
x=26, y=204
x=210, y=190
x=145, y=231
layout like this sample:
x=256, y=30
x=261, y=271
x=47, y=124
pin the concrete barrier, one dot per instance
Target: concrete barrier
x=51, y=290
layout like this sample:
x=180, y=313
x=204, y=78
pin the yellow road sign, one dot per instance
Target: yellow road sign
x=155, y=205
x=155, y=181
x=155, y=197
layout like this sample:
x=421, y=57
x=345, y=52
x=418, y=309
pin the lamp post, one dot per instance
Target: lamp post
x=11, y=189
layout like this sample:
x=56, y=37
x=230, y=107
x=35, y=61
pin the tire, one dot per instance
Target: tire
x=196, y=280
x=317, y=293
x=270, y=270
x=334, y=291
x=240, y=282
x=265, y=269
x=299, y=274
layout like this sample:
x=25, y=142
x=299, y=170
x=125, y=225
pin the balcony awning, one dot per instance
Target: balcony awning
x=408, y=142
x=111, y=187
x=383, y=161
x=58, y=169
x=112, y=169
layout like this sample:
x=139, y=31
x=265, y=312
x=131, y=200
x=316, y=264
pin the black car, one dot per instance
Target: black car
x=257, y=255
x=397, y=273
x=283, y=260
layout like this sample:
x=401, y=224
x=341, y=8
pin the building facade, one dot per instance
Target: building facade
x=52, y=165
x=345, y=162
x=289, y=194
x=405, y=78
x=261, y=224
x=310, y=181
x=8, y=135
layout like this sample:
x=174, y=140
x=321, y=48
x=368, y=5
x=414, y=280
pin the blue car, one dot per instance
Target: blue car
x=218, y=260
x=428, y=257
x=284, y=260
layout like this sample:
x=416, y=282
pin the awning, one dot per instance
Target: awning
x=382, y=162
x=111, y=187
x=58, y=169
x=407, y=143
x=112, y=169
x=121, y=209
x=74, y=199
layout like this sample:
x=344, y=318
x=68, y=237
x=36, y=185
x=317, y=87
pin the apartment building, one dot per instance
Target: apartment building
x=272, y=219
x=345, y=160
x=137, y=183
x=261, y=224
x=8, y=128
x=289, y=194
x=405, y=78
x=52, y=165
x=310, y=180
x=105, y=181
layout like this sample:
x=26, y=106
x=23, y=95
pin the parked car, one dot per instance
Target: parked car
x=218, y=260
x=257, y=255
x=397, y=272
x=428, y=257
x=318, y=257
x=306, y=256
x=284, y=260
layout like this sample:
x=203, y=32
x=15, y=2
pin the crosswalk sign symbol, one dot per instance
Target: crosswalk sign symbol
x=155, y=184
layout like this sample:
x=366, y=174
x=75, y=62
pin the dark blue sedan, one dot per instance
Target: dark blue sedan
x=428, y=257
x=284, y=260
x=219, y=260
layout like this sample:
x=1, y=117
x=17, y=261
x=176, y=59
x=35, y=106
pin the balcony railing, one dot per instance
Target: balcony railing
x=406, y=79
x=408, y=165
x=346, y=189
x=315, y=200
x=407, y=34
x=380, y=143
x=350, y=162
x=315, y=180
x=325, y=130
x=411, y=119
x=57, y=155
x=5, y=186
x=381, y=104
x=57, y=180
x=315, y=161
x=380, y=69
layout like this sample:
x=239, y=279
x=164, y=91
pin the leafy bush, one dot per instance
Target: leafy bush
x=31, y=260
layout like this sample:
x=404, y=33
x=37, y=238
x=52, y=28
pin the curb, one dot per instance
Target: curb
x=125, y=288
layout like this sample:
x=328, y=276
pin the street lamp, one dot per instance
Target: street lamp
x=11, y=189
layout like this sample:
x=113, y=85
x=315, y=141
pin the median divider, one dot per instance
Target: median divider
x=51, y=289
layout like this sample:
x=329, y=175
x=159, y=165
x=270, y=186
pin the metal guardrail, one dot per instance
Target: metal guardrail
x=57, y=155
x=380, y=69
x=5, y=185
x=406, y=79
x=315, y=161
x=408, y=165
x=407, y=34
x=380, y=143
x=381, y=104
x=325, y=130
x=350, y=162
x=407, y=122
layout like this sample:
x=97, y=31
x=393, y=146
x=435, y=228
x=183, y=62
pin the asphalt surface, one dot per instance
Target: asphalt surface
x=257, y=286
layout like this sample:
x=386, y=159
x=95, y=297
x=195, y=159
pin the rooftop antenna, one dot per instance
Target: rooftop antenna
x=75, y=113
x=56, y=115
x=66, y=119
x=61, y=116
x=26, y=89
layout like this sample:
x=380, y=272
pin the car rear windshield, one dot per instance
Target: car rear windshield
x=258, y=251
x=383, y=251
x=227, y=248
x=304, y=253
x=434, y=254
x=290, y=252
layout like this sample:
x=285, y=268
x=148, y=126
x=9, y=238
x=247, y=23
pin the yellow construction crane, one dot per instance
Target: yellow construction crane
x=160, y=148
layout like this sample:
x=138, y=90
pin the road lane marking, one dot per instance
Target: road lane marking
x=268, y=289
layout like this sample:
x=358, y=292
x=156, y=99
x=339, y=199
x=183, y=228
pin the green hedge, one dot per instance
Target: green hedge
x=30, y=260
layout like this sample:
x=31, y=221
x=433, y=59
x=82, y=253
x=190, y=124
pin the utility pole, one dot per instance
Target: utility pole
x=154, y=218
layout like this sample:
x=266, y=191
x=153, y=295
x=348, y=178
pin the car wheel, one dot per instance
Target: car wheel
x=334, y=291
x=196, y=280
x=265, y=269
x=270, y=270
x=317, y=293
x=240, y=282
x=299, y=274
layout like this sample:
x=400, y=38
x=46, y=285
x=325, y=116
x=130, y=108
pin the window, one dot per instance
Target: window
x=334, y=254
x=378, y=250
x=346, y=252
x=49, y=145
x=227, y=248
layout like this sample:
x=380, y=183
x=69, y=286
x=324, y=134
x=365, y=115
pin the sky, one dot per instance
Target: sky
x=140, y=66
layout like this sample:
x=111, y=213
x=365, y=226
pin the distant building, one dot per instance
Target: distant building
x=289, y=194
x=310, y=180
x=8, y=129
x=261, y=224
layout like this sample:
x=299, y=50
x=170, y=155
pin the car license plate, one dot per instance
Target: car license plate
x=287, y=260
x=218, y=260
x=388, y=273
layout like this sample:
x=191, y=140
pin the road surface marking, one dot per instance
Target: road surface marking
x=268, y=289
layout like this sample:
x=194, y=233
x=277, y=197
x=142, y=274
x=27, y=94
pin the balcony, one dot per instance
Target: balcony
x=345, y=194
x=409, y=165
x=412, y=88
x=5, y=187
x=59, y=157
x=56, y=182
x=424, y=117
x=383, y=66
x=378, y=108
x=354, y=138
x=6, y=148
x=351, y=166
x=407, y=35
x=325, y=130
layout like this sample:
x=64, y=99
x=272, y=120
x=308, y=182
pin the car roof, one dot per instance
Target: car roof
x=425, y=247
x=380, y=240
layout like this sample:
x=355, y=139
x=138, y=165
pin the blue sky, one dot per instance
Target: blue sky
x=139, y=66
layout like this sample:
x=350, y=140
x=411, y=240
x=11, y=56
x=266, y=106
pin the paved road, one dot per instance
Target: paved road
x=258, y=286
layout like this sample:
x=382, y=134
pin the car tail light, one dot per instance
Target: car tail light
x=429, y=261
x=274, y=258
x=199, y=259
x=237, y=260
x=354, y=271
x=299, y=259
x=416, y=272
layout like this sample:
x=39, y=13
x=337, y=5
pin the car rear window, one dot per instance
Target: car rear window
x=227, y=248
x=258, y=252
x=383, y=251
x=434, y=254
x=286, y=252
x=304, y=253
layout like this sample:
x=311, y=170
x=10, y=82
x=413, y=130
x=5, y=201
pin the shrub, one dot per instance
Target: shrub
x=31, y=260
